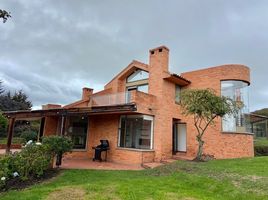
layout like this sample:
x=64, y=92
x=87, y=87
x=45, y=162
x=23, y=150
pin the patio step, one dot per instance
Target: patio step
x=182, y=156
x=157, y=164
x=152, y=165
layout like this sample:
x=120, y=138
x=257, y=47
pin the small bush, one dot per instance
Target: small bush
x=3, y=125
x=32, y=161
x=261, y=150
x=4, y=170
x=29, y=135
x=58, y=144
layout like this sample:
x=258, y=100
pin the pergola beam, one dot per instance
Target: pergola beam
x=71, y=111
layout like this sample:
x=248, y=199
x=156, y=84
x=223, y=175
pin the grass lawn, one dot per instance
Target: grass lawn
x=15, y=140
x=261, y=141
x=238, y=179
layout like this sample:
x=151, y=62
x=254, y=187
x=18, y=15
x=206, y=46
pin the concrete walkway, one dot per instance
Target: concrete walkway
x=3, y=151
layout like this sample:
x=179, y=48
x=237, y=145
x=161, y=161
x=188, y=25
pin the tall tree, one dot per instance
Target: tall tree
x=21, y=100
x=205, y=106
x=18, y=101
x=4, y=15
x=2, y=90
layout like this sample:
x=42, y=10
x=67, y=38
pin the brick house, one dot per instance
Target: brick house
x=139, y=113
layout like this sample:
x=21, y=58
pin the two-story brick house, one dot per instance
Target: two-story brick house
x=139, y=113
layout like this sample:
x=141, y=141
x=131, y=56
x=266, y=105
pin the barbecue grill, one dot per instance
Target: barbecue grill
x=104, y=146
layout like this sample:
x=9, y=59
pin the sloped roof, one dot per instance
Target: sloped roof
x=129, y=69
x=175, y=78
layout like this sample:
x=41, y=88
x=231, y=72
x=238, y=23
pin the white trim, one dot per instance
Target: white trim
x=133, y=149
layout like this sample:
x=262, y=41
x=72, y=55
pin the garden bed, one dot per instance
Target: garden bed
x=18, y=184
x=241, y=179
x=261, y=147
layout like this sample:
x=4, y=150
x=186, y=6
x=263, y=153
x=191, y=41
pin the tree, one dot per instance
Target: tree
x=263, y=111
x=205, y=106
x=4, y=15
x=3, y=125
x=1, y=87
x=22, y=100
x=18, y=101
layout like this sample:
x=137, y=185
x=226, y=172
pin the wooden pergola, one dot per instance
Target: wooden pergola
x=63, y=113
x=255, y=118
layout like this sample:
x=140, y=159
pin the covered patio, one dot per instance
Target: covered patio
x=59, y=117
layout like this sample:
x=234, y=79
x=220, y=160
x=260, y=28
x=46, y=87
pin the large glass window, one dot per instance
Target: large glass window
x=137, y=76
x=77, y=130
x=135, y=131
x=238, y=92
x=138, y=80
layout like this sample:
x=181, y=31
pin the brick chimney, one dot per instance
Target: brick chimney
x=159, y=59
x=86, y=93
x=50, y=106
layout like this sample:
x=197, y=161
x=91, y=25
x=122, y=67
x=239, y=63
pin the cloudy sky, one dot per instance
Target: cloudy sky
x=51, y=49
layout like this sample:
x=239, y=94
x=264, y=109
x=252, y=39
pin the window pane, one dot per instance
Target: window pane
x=145, y=137
x=77, y=130
x=143, y=88
x=238, y=92
x=135, y=132
x=138, y=75
x=177, y=93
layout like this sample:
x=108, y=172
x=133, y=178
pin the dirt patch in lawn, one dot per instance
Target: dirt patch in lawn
x=70, y=193
x=18, y=184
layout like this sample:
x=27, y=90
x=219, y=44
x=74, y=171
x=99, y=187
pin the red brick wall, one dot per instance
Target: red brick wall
x=106, y=127
x=217, y=143
x=51, y=125
x=160, y=102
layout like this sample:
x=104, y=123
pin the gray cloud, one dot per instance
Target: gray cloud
x=51, y=49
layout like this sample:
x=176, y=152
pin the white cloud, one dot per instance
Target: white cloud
x=51, y=49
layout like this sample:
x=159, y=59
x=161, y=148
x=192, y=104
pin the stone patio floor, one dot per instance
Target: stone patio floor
x=3, y=151
x=89, y=164
x=75, y=163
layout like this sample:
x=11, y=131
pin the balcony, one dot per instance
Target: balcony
x=120, y=98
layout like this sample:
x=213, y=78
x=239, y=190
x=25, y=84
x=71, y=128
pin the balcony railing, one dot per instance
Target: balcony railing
x=121, y=98
x=108, y=99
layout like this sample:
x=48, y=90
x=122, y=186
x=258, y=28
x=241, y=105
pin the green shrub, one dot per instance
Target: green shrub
x=3, y=125
x=58, y=144
x=29, y=135
x=4, y=170
x=261, y=150
x=33, y=160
